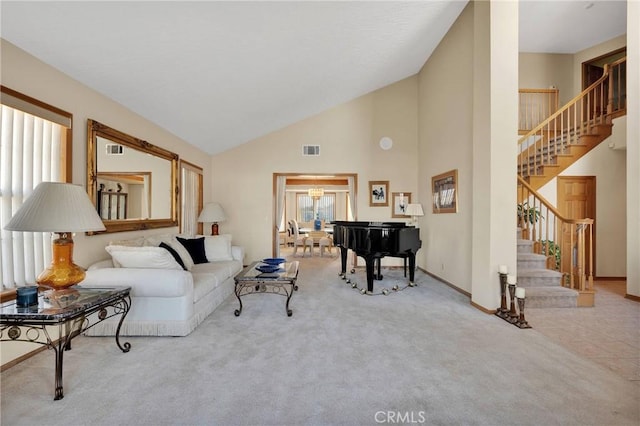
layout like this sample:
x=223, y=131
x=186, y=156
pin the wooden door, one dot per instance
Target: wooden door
x=591, y=74
x=577, y=200
x=594, y=100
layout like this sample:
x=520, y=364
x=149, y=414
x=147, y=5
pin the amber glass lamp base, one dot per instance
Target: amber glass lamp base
x=214, y=229
x=62, y=272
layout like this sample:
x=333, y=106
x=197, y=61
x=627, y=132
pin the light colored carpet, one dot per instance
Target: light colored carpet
x=422, y=355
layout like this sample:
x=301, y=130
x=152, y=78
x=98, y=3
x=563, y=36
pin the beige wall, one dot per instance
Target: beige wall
x=446, y=143
x=633, y=148
x=348, y=136
x=495, y=108
x=30, y=76
x=543, y=70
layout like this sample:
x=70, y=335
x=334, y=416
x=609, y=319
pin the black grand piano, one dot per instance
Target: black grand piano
x=375, y=240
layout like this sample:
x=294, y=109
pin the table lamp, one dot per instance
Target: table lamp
x=414, y=210
x=213, y=213
x=62, y=208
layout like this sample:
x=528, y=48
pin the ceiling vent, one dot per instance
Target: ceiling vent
x=310, y=150
x=115, y=149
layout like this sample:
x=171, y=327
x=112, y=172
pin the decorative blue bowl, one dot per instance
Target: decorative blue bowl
x=268, y=268
x=274, y=260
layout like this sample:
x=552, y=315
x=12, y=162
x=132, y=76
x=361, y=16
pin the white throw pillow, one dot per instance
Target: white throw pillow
x=171, y=241
x=135, y=242
x=142, y=257
x=218, y=247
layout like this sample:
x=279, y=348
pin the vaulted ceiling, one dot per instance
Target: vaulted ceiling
x=218, y=74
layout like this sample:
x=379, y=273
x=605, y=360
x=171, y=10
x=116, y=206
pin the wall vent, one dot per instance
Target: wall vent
x=310, y=150
x=115, y=149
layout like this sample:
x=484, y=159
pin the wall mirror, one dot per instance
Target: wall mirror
x=132, y=183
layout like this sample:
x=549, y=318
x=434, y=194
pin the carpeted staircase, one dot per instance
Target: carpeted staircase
x=543, y=286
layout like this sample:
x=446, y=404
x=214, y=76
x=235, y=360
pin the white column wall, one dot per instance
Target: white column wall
x=495, y=107
x=633, y=148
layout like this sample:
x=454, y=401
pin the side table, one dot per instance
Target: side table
x=71, y=311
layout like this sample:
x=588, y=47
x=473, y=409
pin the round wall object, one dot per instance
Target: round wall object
x=386, y=143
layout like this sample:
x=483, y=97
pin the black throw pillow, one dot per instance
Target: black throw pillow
x=174, y=253
x=195, y=247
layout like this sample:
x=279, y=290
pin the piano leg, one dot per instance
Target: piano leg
x=412, y=268
x=378, y=276
x=343, y=259
x=370, y=262
x=404, y=259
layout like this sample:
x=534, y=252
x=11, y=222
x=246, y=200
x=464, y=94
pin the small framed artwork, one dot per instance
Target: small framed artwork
x=445, y=192
x=378, y=193
x=399, y=202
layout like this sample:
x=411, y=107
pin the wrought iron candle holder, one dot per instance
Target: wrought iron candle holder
x=521, y=323
x=513, y=314
x=502, y=312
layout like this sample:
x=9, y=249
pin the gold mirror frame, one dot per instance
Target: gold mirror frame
x=96, y=129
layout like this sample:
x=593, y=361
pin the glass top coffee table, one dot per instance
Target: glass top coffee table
x=252, y=281
x=71, y=312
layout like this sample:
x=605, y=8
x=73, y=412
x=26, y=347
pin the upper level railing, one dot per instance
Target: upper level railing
x=535, y=106
x=596, y=105
x=617, y=102
x=567, y=243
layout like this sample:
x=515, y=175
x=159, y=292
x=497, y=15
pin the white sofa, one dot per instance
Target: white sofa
x=167, y=299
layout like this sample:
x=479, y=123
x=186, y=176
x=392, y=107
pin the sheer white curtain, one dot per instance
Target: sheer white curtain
x=281, y=184
x=30, y=153
x=144, y=208
x=352, y=198
x=190, y=182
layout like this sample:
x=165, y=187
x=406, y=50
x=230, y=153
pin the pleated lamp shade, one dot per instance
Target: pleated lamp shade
x=57, y=207
x=414, y=210
x=62, y=208
x=212, y=213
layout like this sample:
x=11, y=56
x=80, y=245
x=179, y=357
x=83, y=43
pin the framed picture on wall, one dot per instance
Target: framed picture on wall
x=399, y=203
x=378, y=193
x=445, y=192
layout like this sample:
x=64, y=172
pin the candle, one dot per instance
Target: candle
x=520, y=293
x=502, y=269
x=511, y=279
x=26, y=296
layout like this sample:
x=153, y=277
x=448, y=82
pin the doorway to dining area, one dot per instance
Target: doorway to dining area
x=308, y=203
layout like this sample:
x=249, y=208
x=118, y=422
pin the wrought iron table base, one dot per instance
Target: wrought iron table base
x=35, y=331
x=286, y=289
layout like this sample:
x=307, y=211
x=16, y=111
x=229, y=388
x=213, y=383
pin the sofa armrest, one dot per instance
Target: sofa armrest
x=237, y=253
x=143, y=282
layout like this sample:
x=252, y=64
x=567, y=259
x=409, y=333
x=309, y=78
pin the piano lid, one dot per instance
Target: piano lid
x=364, y=224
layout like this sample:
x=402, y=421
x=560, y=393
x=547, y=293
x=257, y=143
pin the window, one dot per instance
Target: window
x=326, y=207
x=190, y=198
x=35, y=144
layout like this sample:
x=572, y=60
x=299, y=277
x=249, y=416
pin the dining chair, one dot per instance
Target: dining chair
x=326, y=243
x=300, y=240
